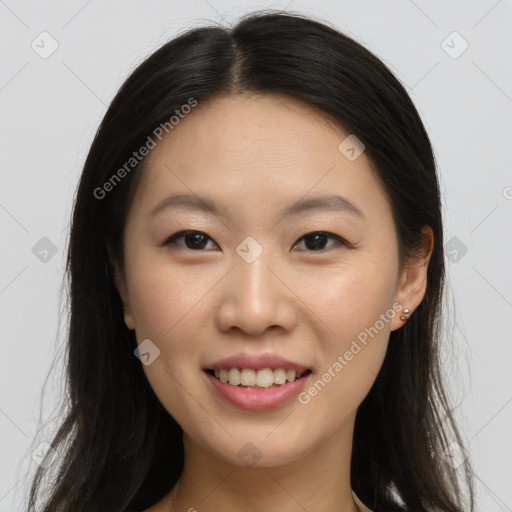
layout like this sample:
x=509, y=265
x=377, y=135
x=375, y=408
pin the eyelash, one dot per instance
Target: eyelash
x=172, y=239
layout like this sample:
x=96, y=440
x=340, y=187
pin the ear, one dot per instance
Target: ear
x=120, y=282
x=413, y=279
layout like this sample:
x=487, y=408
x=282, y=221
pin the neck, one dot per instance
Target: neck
x=316, y=482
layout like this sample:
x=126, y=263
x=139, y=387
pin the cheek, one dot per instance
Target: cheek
x=164, y=307
x=353, y=351
x=171, y=308
x=354, y=298
x=355, y=305
x=161, y=299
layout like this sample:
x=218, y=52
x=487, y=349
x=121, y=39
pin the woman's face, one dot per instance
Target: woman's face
x=247, y=282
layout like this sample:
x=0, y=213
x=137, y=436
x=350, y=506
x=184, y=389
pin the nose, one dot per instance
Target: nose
x=254, y=297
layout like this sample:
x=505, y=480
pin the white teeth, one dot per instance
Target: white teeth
x=248, y=377
x=264, y=378
x=279, y=376
x=234, y=376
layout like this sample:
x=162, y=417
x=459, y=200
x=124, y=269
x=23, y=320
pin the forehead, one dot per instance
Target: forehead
x=266, y=129
x=255, y=152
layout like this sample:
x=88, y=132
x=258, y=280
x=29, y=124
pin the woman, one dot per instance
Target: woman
x=256, y=272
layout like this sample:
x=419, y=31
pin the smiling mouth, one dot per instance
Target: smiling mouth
x=266, y=378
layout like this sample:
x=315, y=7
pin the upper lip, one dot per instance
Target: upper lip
x=256, y=362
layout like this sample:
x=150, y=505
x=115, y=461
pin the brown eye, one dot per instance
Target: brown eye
x=198, y=241
x=194, y=240
x=316, y=241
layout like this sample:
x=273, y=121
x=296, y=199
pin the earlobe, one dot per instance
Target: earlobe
x=120, y=284
x=413, y=284
x=128, y=320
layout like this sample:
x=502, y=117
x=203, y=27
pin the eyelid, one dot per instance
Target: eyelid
x=179, y=234
x=338, y=238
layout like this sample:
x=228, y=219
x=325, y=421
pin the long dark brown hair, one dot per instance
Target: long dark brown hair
x=120, y=449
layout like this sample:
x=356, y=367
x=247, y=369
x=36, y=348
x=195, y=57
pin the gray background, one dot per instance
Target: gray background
x=50, y=108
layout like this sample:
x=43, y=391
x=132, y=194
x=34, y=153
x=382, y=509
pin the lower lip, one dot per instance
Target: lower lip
x=257, y=399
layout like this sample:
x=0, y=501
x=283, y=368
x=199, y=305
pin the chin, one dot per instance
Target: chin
x=261, y=448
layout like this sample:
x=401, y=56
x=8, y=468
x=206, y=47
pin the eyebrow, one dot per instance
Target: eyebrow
x=205, y=204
